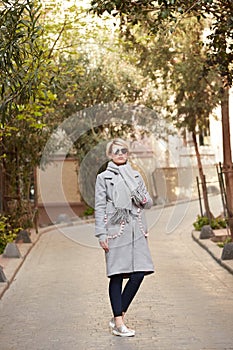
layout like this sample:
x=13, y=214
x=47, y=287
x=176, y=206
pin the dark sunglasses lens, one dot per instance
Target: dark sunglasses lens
x=124, y=150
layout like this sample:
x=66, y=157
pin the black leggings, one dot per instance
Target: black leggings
x=120, y=301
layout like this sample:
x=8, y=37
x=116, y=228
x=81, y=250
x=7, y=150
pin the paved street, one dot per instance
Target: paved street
x=59, y=297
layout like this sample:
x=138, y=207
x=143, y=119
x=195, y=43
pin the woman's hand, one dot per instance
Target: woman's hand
x=104, y=245
x=144, y=201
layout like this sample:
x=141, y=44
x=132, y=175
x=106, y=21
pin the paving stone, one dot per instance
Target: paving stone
x=60, y=295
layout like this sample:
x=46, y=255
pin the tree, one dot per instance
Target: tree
x=178, y=65
x=168, y=15
x=92, y=69
x=196, y=93
x=93, y=72
x=22, y=55
x=24, y=101
x=56, y=69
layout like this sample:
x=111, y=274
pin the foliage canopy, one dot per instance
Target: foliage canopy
x=170, y=13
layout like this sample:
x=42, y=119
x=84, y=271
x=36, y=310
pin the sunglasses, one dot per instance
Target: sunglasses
x=122, y=150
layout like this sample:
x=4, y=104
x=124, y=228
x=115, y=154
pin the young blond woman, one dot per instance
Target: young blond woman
x=120, y=199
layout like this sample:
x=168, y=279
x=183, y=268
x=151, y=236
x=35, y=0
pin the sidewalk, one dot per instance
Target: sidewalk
x=213, y=249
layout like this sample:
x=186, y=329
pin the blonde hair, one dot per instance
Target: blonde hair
x=118, y=142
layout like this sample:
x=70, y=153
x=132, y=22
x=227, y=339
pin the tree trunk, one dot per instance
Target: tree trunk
x=227, y=156
x=202, y=177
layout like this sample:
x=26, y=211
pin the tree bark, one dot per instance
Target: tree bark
x=227, y=156
x=202, y=177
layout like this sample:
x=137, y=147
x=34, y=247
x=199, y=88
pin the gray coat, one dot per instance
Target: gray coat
x=128, y=246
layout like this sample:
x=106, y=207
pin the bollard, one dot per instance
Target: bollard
x=227, y=253
x=23, y=236
x=2, y=275
x=11, y=251
x=206, y=232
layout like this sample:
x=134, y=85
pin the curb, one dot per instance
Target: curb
x=214, y=251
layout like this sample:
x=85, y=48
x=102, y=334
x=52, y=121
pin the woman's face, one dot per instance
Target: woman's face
x=119, y=154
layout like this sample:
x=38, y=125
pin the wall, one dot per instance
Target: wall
x=58, y=191
x=173, y=184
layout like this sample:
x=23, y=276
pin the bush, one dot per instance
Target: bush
x=215, y=223
x=200, y=222
x=222, y=244
x=7, y=232
x=218, y=223
x=88, y=212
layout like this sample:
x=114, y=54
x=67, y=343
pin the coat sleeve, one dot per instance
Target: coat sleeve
x=148, y=200
x=100, y=208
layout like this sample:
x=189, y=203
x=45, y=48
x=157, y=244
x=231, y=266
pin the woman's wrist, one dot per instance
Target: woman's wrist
x=102, y=237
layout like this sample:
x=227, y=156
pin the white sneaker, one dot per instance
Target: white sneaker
x=112, y=323
x=123, y=331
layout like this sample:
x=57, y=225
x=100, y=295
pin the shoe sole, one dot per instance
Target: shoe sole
x=122, y=334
